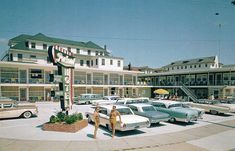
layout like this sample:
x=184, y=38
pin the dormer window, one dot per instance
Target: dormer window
x=27, y=44
x=33, y=45
x=44, y=46
x=78, y=51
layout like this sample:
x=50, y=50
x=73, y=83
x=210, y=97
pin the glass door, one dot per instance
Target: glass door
x=23, y=94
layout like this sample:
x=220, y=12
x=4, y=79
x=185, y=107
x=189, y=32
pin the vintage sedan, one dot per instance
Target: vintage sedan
x=87, y=98
x=106, y=100
x=214, y=106
x=126, y=101
x=130, y=121
x=10, y=109
x=201, y=111
x=147, y=110
x=176, y=111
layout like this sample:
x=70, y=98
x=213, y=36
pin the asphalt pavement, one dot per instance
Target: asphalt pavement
x=27, y=135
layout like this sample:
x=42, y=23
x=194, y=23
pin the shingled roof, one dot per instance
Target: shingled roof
x=43, y=38
x=192, y=61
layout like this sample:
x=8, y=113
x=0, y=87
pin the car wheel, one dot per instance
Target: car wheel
x=89, y=119
x=27, y=114
x=109, y=127
x=172, y=119
x=213, y=112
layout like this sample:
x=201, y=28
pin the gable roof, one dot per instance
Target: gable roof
x=192, y=61
x=43, y=38
x=18, y=39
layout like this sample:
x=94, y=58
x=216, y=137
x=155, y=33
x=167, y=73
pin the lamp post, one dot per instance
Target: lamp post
x=219, y=41
x=233, y=2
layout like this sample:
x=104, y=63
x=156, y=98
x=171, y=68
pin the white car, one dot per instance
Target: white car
x=130, y=121
x=106, y=100
x=126, y=101
x=214, y=106
x=201, y=111
x=10, y=109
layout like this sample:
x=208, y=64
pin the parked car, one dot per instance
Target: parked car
x=214, y=106
x=201, y=111
x=126, y=101
x=147, y=110
x=176, y=111
x=87, y=98
x=106, y=100
x=130, y=121
x=10, y=109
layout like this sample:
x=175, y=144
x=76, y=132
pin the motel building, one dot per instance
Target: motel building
x=25, y=69
x=194, y=78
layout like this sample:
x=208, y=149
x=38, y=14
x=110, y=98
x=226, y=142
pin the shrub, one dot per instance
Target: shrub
x=61, y=116
x=71, y=119
x=79, y=116
x=68, y=119
x=54, y=119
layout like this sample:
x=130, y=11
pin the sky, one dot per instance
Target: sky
x=150, y=33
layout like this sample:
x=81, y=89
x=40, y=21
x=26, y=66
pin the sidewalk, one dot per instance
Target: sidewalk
x=170, y=141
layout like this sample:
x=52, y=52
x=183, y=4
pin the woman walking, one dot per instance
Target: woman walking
x=97, y=120
x=113, y=115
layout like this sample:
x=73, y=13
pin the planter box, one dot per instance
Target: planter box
x=62, y=127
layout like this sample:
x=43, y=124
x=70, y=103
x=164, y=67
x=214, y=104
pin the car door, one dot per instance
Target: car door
x=9, y=111
x=104, y=118
x=134, y=109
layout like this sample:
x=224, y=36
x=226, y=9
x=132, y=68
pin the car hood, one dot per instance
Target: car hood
x=156, y=114
x=185, y=110
x=128, y=119
x=231, y=106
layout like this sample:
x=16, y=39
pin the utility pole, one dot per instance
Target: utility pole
x=219, y=40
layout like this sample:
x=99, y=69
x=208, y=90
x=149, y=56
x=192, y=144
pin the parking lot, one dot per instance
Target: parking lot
x=30, y=129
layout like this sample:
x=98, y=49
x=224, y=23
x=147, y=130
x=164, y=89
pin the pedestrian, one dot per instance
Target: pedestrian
x=96, y=118
x=113, y=115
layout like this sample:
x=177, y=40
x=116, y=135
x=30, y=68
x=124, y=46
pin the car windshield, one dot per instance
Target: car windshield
x=124, y=111
x=136, y=101
x=175, y=105
x=148, y=108
x=185, y=105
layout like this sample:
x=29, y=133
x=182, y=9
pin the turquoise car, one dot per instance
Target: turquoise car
x=176, y=111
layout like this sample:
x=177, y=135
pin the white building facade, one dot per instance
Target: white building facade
x=24, y=74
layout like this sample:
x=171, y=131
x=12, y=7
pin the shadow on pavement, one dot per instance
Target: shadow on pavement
x=90, y=135
x=128, y=133
x=39, y=126
x=230, y=126
x=183, y=123
x=220, y=114
x=156, y=125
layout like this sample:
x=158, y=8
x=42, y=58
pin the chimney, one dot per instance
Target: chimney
x=129, y=66
x=105, y=47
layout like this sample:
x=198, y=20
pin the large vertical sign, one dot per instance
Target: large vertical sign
x=65, y=61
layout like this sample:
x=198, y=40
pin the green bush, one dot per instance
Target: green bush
x=68, y=119
x=54, y=119
x=71, y=119
x=61, y=116
x=79, y=116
